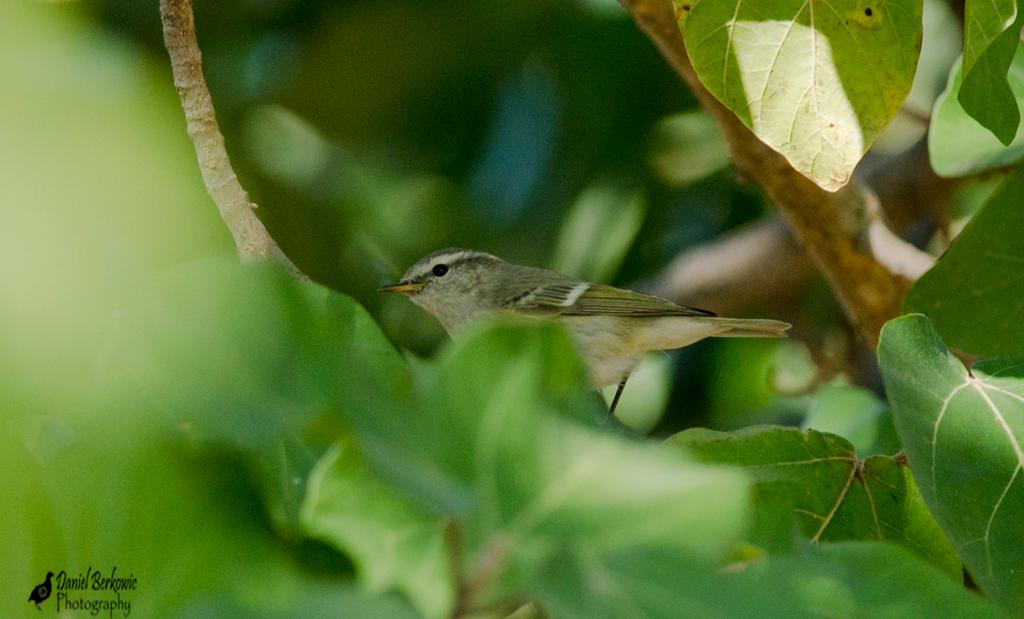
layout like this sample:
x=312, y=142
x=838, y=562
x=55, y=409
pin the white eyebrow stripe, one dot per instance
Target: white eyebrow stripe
x=574, y=295
x=442, y=259
x=449, y=258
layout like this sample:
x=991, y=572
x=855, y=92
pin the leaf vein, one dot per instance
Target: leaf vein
x=835, y=508
x=1001, y=421
x=935, y=430
x=992, y=516
x=871, y=504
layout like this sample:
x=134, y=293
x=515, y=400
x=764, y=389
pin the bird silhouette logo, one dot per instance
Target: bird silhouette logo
x=41, y=591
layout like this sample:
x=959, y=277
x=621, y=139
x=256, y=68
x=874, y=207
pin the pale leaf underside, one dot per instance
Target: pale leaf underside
x=1009, y=421
x=963, y=432
x=817, y=81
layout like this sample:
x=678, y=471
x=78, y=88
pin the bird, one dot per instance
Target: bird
x=41, y=591
x=612, y=328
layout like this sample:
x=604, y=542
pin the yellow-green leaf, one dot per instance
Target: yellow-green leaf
x=816, y=81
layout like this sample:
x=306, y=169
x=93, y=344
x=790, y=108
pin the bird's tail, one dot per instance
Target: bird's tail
x=750, y=327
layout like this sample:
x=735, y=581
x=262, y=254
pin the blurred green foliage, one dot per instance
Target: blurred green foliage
x=373, y=132
x=106, y=415
x=857, y=415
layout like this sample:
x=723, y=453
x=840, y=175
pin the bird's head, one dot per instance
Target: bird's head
x=453, y=284
x=49, y=575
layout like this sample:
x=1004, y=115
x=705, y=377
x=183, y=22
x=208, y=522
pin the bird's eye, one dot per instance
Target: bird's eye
x=440, y=269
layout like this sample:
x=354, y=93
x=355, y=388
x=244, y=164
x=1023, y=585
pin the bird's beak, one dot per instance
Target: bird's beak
x=402, y=288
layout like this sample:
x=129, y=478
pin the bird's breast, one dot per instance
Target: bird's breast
x=606, y=346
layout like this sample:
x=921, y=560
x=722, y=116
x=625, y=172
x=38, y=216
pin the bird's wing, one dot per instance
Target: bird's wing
x=572, y=298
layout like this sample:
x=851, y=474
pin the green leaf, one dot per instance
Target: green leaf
x=817, y=82
x=93, y=470
x=653, y=583
x=957, y=144
x=816, y=479
x=420, y=442
x=209, y=360
x=113, y=491
x=686, y=148
x=260, y=349
x=527, y=480
x=863, y=579
x=857, y=415
x=545, y=484
x=845, y=579
x=394, y=543
x=963, y=433
x=975, y=292
x=991, y=38
x=598, y=231
x=744, y=394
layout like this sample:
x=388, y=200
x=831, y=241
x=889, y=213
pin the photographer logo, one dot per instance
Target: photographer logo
x=92, y=591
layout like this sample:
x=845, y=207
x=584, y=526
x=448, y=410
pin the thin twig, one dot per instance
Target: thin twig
x=252, y=240
x=832, y=227
x=487, y=567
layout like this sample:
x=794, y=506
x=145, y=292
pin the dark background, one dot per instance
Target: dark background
x=374, y=132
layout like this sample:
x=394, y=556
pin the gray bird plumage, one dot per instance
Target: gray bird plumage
x=613, y=328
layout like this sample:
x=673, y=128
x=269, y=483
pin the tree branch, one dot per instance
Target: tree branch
x=252, y=240
x=727, y=274
x=832, y=227
x=756, y=265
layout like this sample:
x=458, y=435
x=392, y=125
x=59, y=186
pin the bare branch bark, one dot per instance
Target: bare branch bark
x=911, y=193
x=832, y=227
x=728, y=274
x=757, y=265
x=252, y=240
